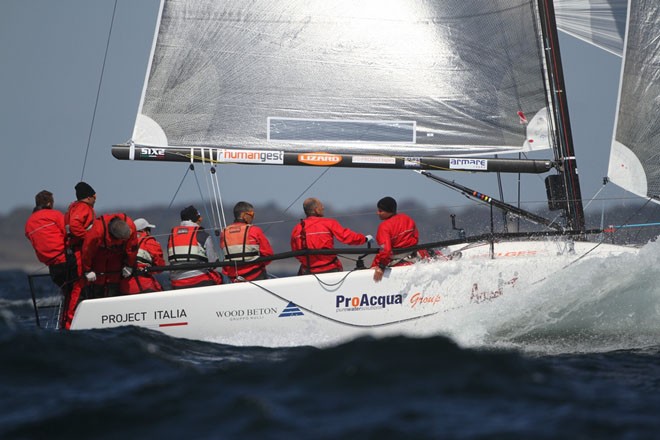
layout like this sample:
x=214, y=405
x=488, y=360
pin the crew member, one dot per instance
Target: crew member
x=77, y=221
x=45, y=230
x=319, y=232
x=109, y=253
x=242, y=241
x=396, y=230
x=190, y=243
x=149, y=254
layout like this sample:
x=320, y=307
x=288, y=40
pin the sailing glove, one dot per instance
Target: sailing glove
x=370, y=240
x=126, y=271
x=90, y=276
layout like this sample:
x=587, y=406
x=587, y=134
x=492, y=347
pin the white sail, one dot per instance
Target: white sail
x=598, y=22
x=399, y=77
x=634, y=162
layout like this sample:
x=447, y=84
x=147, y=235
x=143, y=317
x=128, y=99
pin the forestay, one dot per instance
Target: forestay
x=395, y=77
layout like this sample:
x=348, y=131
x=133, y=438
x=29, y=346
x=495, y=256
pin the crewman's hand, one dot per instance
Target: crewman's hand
x=370, y=241
x=126, y=271
x=90, y=276
x=378, y=274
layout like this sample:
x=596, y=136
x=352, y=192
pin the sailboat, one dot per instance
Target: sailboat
x=428, y=86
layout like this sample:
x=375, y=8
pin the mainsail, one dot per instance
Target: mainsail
x=634, y=160
x=376, y=84
x=394, y=77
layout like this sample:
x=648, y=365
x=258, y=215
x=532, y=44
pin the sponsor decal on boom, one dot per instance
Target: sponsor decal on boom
x=153, y=153
x=251, y=156
x=319, y=159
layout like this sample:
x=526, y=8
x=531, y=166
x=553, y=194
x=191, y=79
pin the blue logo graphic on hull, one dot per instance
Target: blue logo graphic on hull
x=290, y=310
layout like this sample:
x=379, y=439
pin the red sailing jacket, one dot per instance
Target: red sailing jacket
x=239, y=239
x=78, y=220
x=45, y=230
x=398, y=231
x=319, y=233
x=106, y=255
x=149, y=254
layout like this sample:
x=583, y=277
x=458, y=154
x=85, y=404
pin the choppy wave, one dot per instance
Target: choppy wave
x=577, y=355
x=107, y=383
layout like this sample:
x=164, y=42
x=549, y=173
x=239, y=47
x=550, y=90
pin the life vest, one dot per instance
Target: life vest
x=235, y=243
x=183, y=246
x=144, y=258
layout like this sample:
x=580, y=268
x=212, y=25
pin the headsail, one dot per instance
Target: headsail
x=635, y=155
x=395, y=77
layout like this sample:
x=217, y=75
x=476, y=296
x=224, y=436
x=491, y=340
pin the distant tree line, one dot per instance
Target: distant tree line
x=434, y=223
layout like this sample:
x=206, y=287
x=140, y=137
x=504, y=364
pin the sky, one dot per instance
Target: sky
x=59, y=93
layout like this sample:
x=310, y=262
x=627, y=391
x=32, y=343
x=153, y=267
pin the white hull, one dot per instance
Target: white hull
x=331, y=308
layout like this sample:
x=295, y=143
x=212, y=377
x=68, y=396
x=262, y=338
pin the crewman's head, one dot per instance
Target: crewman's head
x=386, y=207
x=191, y=213
x=243, y=212
x=141, y=224
x=119, y=229
x=313, y=207
x=85, y=193
x=44, y=199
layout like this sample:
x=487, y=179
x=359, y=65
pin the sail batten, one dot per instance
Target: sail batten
x=420, y=78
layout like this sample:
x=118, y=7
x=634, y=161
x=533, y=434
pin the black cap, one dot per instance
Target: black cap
x=83, y=190
x=190, y=213
x=387, y=204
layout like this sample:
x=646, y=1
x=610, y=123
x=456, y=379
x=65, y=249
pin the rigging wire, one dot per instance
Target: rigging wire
x=98, y=91
x=218, y=198
x=603, y=239
x=499, y=185
x=215, y=216
x=215, y=237
x=190, y=167
x=301, y=194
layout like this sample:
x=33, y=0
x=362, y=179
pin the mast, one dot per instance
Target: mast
x=564, y=151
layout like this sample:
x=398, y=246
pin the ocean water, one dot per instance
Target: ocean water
x=575, y=357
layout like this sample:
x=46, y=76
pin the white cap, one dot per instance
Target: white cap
x=142, y=223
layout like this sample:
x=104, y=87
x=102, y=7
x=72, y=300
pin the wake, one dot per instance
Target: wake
x=595, y=305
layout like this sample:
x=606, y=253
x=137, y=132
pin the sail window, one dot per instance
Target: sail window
x=319, y=130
